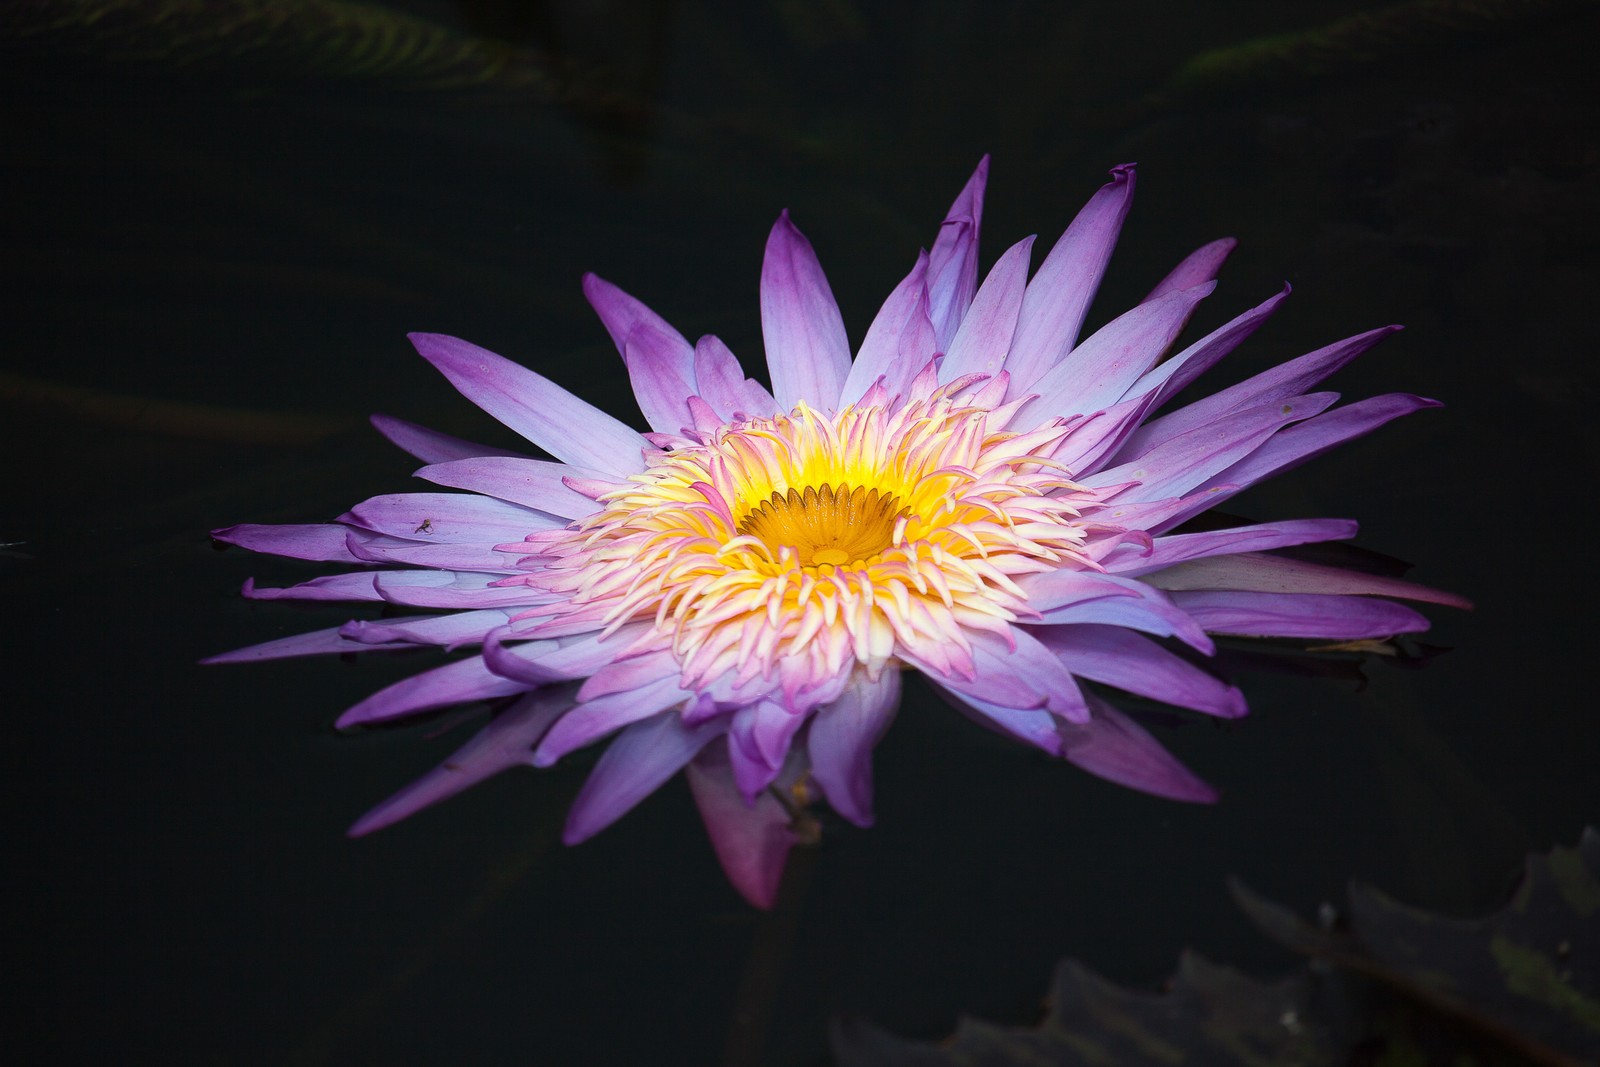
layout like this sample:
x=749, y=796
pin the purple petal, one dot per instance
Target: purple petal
x=532, y=483
x=1130, y=562
x=723, y=385
x=1278, y=574
x=506, y=741
x=1019, y=674
x=1186, y=462
x=447, y=631
x=1098, y=372
x=316, y=643
x=1201, y=265
x=1099, y=435
x=1281, y=382
x=1114, y=747
x=592, y=720
x=630, y=673
x=444, y=518
x=660, y=361
x=545, y=661
x=431, y=446
x=1058, y=297
x=752, y=841
x=451, y=631
x=953, y=263
x=1305, y=615
x=318, y=541
x=1167, y=379
x=454, y=683
x=1116, y=656
x=881, y=346
x=984, y=338
x=358, y=585
x=489, y=557
x=452, y=589
x=808, y=354
x=535, y=407
x=841, y=740
x=1298, y=444
x=758, y=744
x=632, y=767
x=1066, y=596
x=1033, y=726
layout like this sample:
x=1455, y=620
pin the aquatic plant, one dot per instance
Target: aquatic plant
x=978, y=496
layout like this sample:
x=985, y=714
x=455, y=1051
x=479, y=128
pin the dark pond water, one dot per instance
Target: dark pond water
x=220, y=226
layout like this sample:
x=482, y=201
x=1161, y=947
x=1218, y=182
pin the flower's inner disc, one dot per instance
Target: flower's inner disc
x=826, y=525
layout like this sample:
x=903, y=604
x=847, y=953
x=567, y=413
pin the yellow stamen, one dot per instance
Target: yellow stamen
x=826, y=527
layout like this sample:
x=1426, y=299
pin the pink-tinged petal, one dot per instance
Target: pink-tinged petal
x=752, y=841
x=881, y=347
x=808, y=354
x=535, y=407
x=1066, y=596
x=455, y=683
x=1278, y=574
x=1033, y=726
x=532, y=483
x=506, y=741
x=319, y=541
x=1130, y=562
x=1189, y=460
x=1114, y=747
x=1116, y=656
x=1298, y=444
x=1099, y=435
x=841, y=739
x=1285, y=380
x=660, y=361
x=444, y=518
x=590, y=721
x=638, y=762
x=1305, y=615
x=723, y=385
x=1098, y=372
x=1201, y=265
x=1058, y=297
x=984, y=337
x=953, y=262
x=1167, y=379
x=758, y=744
x=431, y=446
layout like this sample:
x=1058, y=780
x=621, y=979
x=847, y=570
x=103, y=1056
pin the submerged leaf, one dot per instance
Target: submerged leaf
x=1526, y=977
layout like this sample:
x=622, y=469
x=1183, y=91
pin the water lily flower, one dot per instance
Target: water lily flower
x=980, y=495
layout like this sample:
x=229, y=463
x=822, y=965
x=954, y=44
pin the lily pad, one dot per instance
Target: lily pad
x=1518, y=986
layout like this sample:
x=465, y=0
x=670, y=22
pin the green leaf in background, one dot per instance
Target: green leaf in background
x=1408, y=986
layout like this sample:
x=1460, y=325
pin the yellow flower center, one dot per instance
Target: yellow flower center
x=826, y=526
